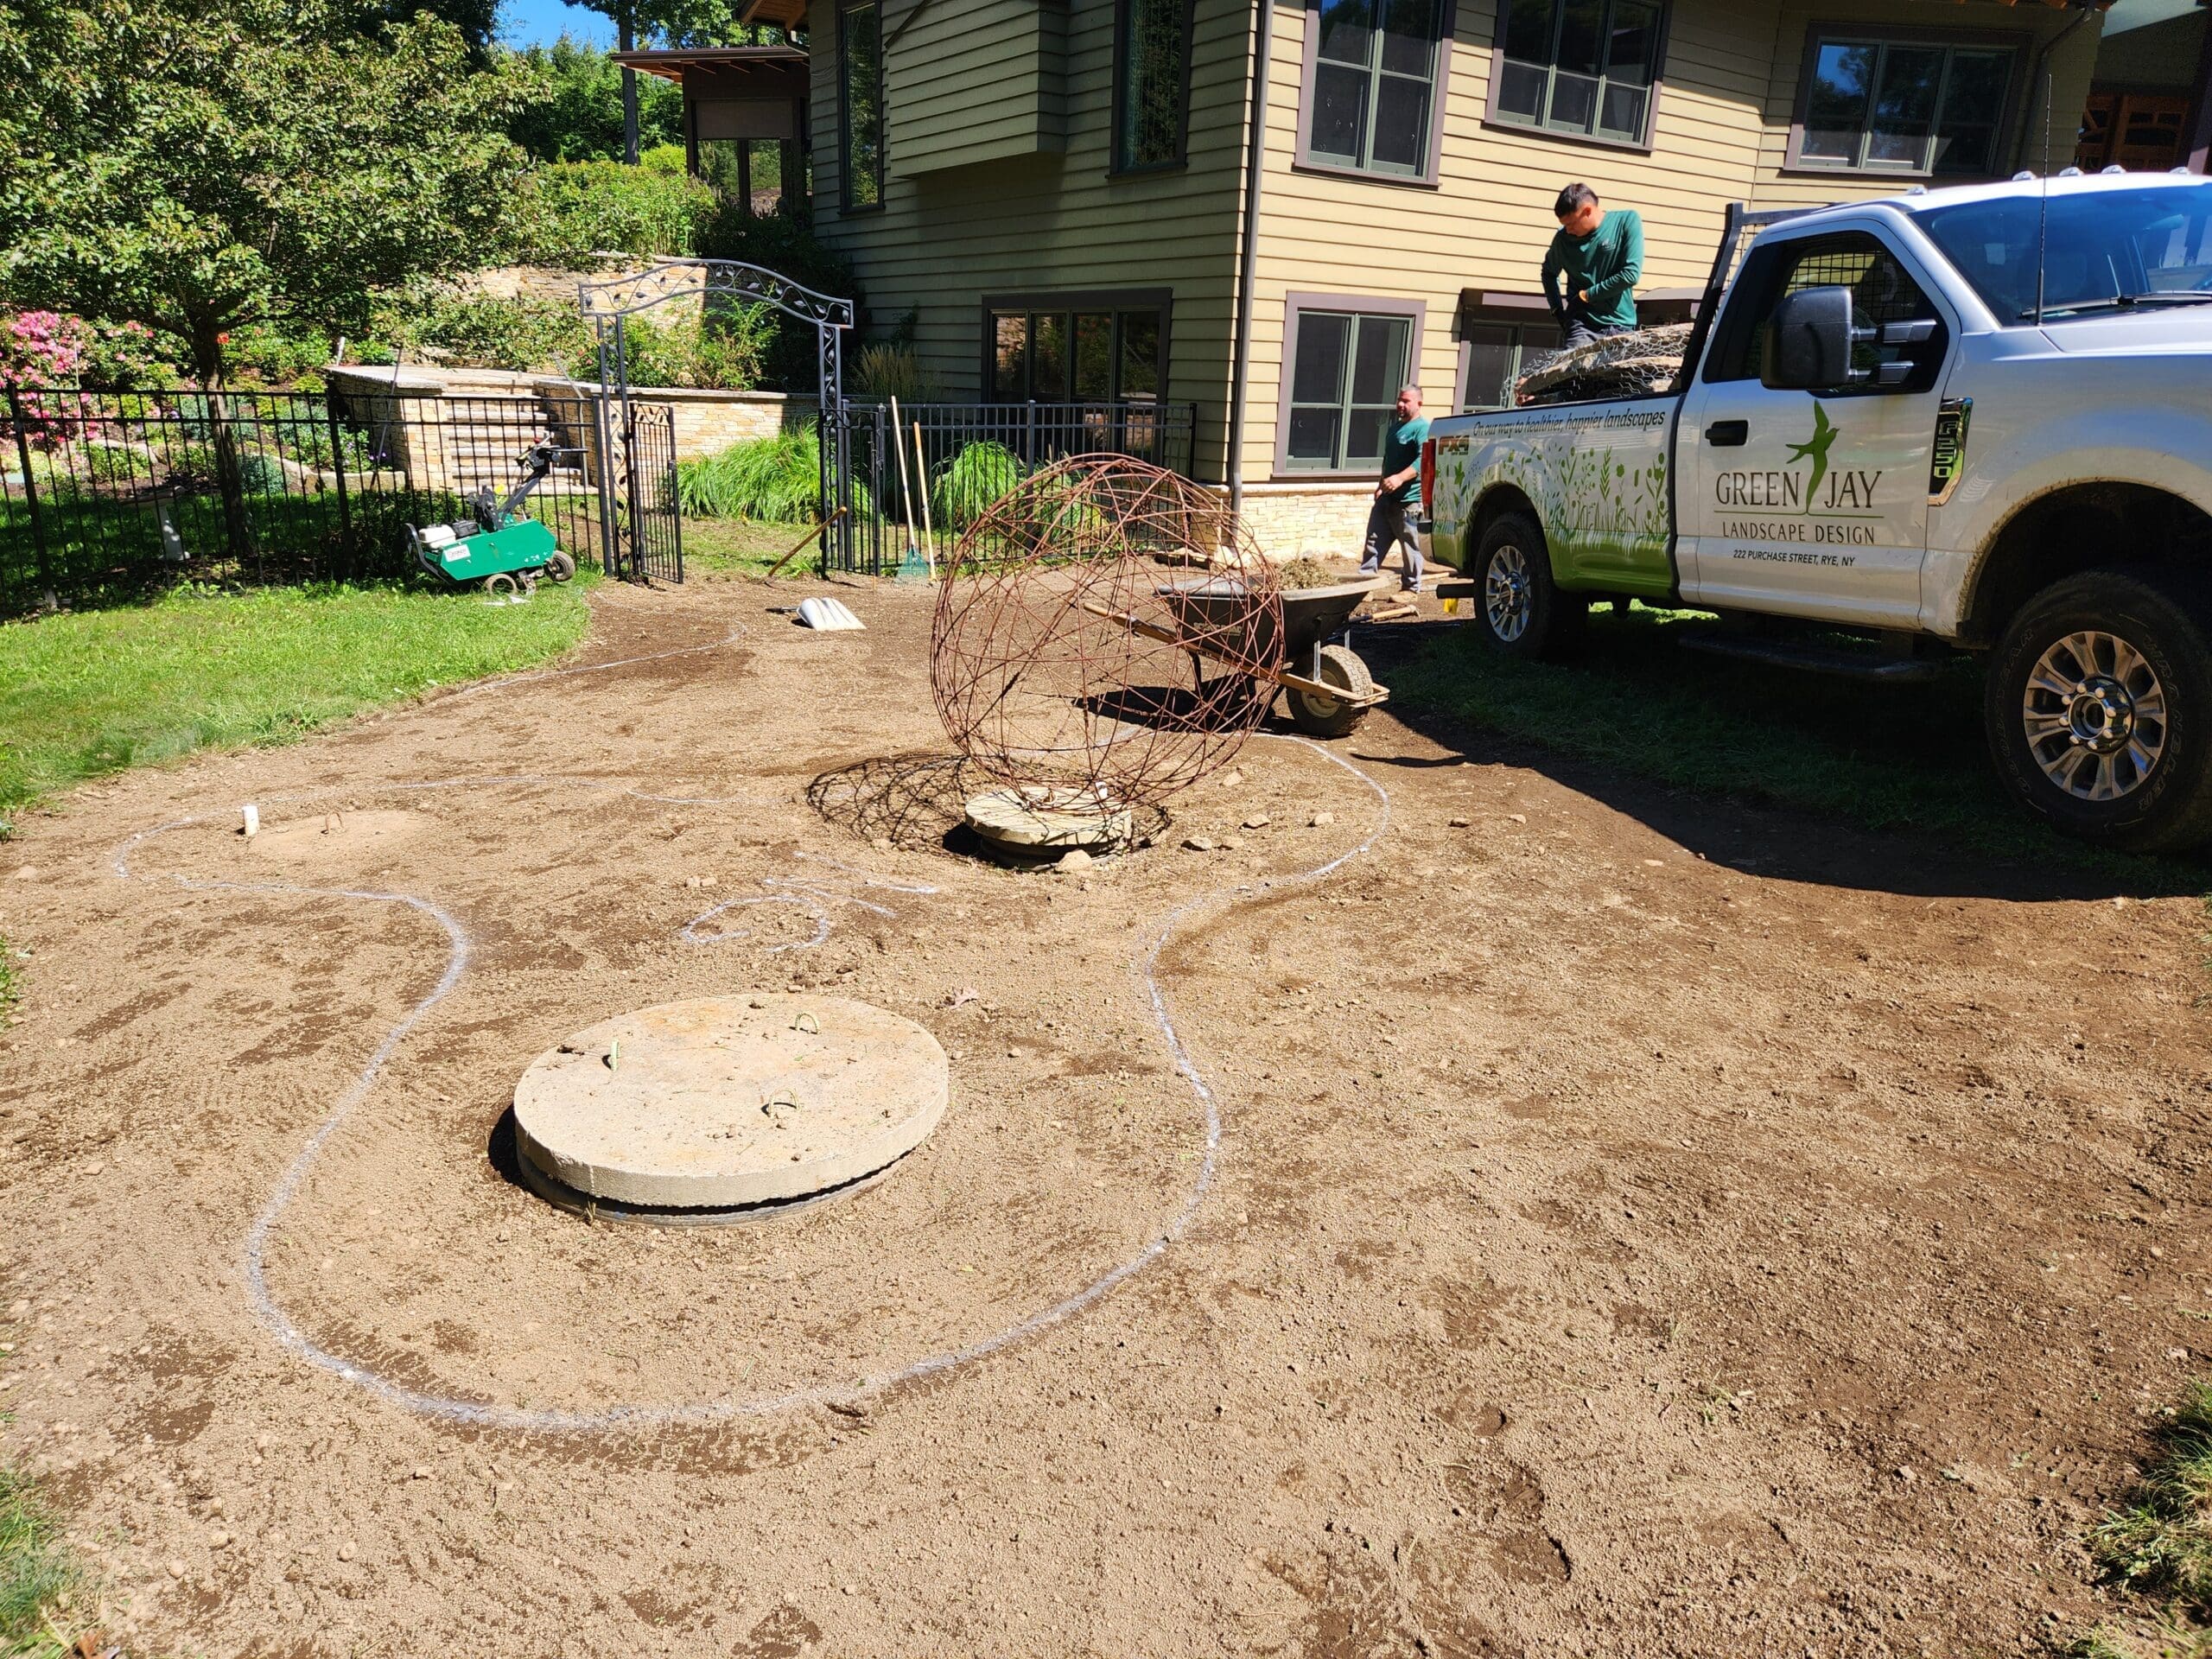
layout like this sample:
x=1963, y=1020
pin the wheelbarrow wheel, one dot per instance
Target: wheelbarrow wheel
x=1325, y=716
x=560, y=566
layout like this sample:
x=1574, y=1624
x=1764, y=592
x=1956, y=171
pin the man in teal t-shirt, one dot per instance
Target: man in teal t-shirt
x=1395, y=519
x=1600, y=255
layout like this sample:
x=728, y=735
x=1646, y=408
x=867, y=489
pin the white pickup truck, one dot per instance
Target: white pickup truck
x=1974, y=419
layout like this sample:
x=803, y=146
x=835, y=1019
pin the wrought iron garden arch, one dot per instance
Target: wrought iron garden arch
x=608, y=306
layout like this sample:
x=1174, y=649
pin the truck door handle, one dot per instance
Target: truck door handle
x=1728, y=435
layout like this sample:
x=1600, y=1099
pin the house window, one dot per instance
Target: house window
x=1581, y=67
x=1346, y=362
x=1901, y=104
x=1494, y=355
x=860, y=35
x=1151, y=96
x=1099, y=354
x=1370, y=96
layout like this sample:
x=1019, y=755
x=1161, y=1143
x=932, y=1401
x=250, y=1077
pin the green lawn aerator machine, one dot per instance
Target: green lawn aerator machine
x=499, y=547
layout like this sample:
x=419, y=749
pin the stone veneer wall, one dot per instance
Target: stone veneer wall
x=707, y=423
x=433, y=436
x=1315, y=521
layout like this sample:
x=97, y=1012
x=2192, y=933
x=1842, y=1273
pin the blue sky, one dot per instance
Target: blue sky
x=539, y=23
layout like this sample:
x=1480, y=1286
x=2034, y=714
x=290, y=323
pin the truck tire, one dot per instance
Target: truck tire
x=1329, y=716
x=1518, y=609
x=2098, y=708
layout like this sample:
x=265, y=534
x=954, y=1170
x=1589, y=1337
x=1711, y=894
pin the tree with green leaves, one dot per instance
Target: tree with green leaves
x=579, y=116
x=197, y=164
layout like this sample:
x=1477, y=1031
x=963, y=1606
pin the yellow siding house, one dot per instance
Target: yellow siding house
x=1278, y=212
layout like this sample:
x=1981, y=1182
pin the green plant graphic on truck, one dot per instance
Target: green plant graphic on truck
x=1603, y=507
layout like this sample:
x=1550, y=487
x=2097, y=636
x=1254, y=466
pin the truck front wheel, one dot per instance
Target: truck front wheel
x=2099, y=708
x=1518, y=607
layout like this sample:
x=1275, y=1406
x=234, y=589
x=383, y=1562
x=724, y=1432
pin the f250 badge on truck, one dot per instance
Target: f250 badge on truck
x=1949, y=464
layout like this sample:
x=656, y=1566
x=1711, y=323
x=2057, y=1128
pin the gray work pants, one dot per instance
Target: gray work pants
x=1580, y=331
x=1393, y=523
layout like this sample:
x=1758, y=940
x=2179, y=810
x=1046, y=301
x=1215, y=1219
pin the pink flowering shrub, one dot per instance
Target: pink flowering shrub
x=43, y=353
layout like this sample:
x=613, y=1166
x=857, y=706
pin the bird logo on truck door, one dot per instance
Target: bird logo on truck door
x=1816, y=449
x=1842, y=513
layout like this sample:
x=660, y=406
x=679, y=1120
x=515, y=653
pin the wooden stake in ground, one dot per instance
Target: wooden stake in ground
x=804, y=542
x=922, y=487
x=906, y=503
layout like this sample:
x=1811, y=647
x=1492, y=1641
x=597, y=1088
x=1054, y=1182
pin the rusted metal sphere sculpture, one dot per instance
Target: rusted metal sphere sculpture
x=1103, y=635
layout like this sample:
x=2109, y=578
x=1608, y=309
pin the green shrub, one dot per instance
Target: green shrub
x=477, y=331
x=568, y=211
x=127, y=357
x=275, y=354
x=963, y=489
x=776, y=480
x=788, y=249
x=723, y=352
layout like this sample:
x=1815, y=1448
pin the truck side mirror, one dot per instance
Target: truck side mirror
x=1807, y=345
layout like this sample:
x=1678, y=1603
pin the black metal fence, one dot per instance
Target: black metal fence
x=104, y=495
x=962, y=457
x=108, y=495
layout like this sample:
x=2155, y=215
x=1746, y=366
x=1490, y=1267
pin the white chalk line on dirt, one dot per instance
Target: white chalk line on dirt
x=479, y=1414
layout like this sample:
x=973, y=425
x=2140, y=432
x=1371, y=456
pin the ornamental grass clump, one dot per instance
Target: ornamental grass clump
x=776, y=480
x=966, y=487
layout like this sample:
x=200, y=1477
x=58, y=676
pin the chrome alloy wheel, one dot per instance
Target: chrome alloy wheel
x=1505, y=593
x=2095, y=716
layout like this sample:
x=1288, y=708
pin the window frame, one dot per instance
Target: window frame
x=1115, y=301
x=1732, y=358
x=1518, y=312
x=1640, y=146
x=846, y=205
x=1118, y=166
x=1431, y=175
x=1365, y=305
x=2018, y=43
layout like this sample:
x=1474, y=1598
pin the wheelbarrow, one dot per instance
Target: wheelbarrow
x=1328, y=686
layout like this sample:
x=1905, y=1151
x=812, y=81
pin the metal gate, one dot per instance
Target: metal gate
x=644, y=530
x=648, y=541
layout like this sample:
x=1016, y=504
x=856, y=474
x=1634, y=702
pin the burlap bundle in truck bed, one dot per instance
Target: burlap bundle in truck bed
x=1634, y=364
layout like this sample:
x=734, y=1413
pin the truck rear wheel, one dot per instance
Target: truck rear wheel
x=1518, y=607
x=2099, y=708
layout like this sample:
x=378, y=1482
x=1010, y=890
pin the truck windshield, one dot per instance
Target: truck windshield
x=2108, y=252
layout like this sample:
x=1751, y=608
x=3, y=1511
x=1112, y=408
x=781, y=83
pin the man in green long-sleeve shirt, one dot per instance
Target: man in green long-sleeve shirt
x=1600, y=255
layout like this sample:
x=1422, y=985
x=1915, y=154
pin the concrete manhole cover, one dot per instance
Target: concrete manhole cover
x=1031, y=822
x=727, y=1107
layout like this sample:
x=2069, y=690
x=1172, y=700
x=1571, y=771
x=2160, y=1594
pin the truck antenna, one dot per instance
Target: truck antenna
x=2043, y=226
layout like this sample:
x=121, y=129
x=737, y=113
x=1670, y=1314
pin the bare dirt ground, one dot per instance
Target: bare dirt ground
x=1638, y=1226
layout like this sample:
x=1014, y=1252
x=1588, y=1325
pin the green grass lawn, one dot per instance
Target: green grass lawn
x=1896, y=758
x=91, y=692
x=745, y=547
x=36, y=1576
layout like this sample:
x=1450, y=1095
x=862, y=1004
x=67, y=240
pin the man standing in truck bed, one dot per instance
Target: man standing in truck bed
x=1601, y=256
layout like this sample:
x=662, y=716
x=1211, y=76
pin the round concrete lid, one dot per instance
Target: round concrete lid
x=1054, y=819
x=730, y=1100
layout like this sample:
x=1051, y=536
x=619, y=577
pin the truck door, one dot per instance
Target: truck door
x=1816, y=504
